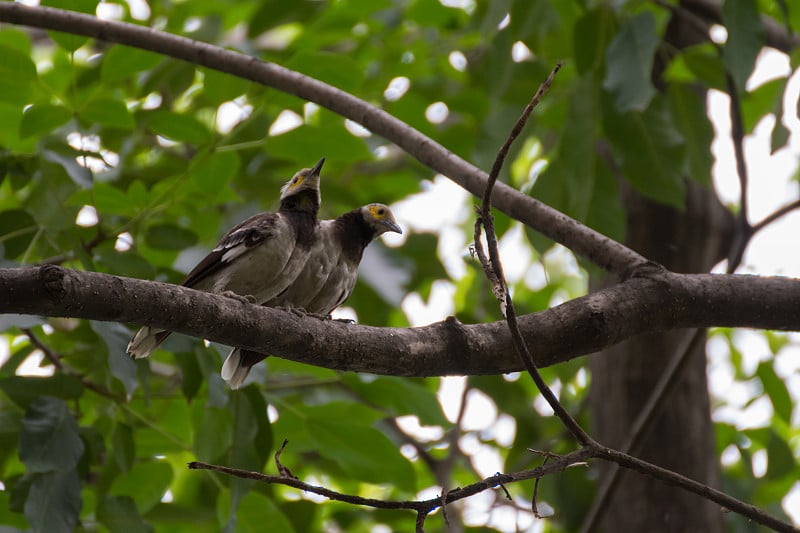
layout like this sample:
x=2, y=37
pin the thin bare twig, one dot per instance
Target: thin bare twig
x=425, y=506
x=507, y=306
x=745, y=231
x=780, y=212
x=55, y=360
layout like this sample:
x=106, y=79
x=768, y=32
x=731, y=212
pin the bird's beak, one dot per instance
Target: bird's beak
x=391, y=225
x=317, y=168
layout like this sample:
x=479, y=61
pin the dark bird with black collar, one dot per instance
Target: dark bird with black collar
x=257, y=259
x=328, y=277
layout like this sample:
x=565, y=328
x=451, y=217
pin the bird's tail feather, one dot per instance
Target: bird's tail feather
x=146, y=341
x=233, y=371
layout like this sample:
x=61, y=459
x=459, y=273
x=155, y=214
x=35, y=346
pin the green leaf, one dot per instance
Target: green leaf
x=650, y=150
x=23, y=390
x=123, y=446
x=776, y=390
x=339, y=70
x=108, y=112
x=43, y=118
x=399, y=396
x=54, y=502
x=16, y=66
x=178, y=127
x=336, y=144
x=69, y=41
x=146, y=483
x=122, y=62
x=781, y=461
x=17, y=229
x=629, y=63
x=780, y=136
x=255, y=513
x=705, y=63
x=49, y=438
x=593, y=32
x=214, y=172
x=767, y=98
x=106, y=198
x=212, y=432
x=65, y=156
x=220, y=87
x=116, y=337
x=119, y=515
x=577, y=146
x=359, y=449
x=169, y=237
x=745, y=38
x=191, y=375
x=691, y=120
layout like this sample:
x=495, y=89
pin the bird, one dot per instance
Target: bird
x=258, y=258
x=328, y=277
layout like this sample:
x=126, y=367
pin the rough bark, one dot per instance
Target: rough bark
x=656, y=300
x=680, y=436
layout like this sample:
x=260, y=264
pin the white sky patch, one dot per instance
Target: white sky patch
x=109, y=11
x=410, y=424
x=485, y=459
x=230, y=114
x=457, y=60
x=467, y=6
x=397, y=88
x=152, y=101
x=124, y=242
x=515, y=253
x=286, y=121
x=356, y=129
x=438, y=307
x=730, y=455
x=168, y=497
x=31, y=366
x=520, y=52
x=481, y=412
x=192, y=24
x=791, y=503
x=760, y=463
x=139, y=9
x=437, y=112
x=347, y=313
x=87, y=217
x=503, y=24
x=360, y=29
x=718, y=33
x=449, y=394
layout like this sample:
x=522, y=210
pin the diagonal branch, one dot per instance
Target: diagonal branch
x=494, y=271
x=581, y=239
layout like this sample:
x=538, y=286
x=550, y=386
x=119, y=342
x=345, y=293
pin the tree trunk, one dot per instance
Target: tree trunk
x=681, y=435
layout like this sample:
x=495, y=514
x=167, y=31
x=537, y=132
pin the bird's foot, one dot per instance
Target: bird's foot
x=247, y=299
x=342, y=320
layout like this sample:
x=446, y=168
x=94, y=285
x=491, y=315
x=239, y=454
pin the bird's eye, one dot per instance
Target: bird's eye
x=381, y=211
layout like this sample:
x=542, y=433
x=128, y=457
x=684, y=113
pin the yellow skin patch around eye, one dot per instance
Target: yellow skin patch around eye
x=377, y=212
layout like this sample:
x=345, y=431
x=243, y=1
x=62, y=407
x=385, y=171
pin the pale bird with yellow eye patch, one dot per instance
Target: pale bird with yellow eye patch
x=257, y=259
x=328, y=277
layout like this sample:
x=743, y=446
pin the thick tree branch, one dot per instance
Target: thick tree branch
x=582, y=240
x=581, y=326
